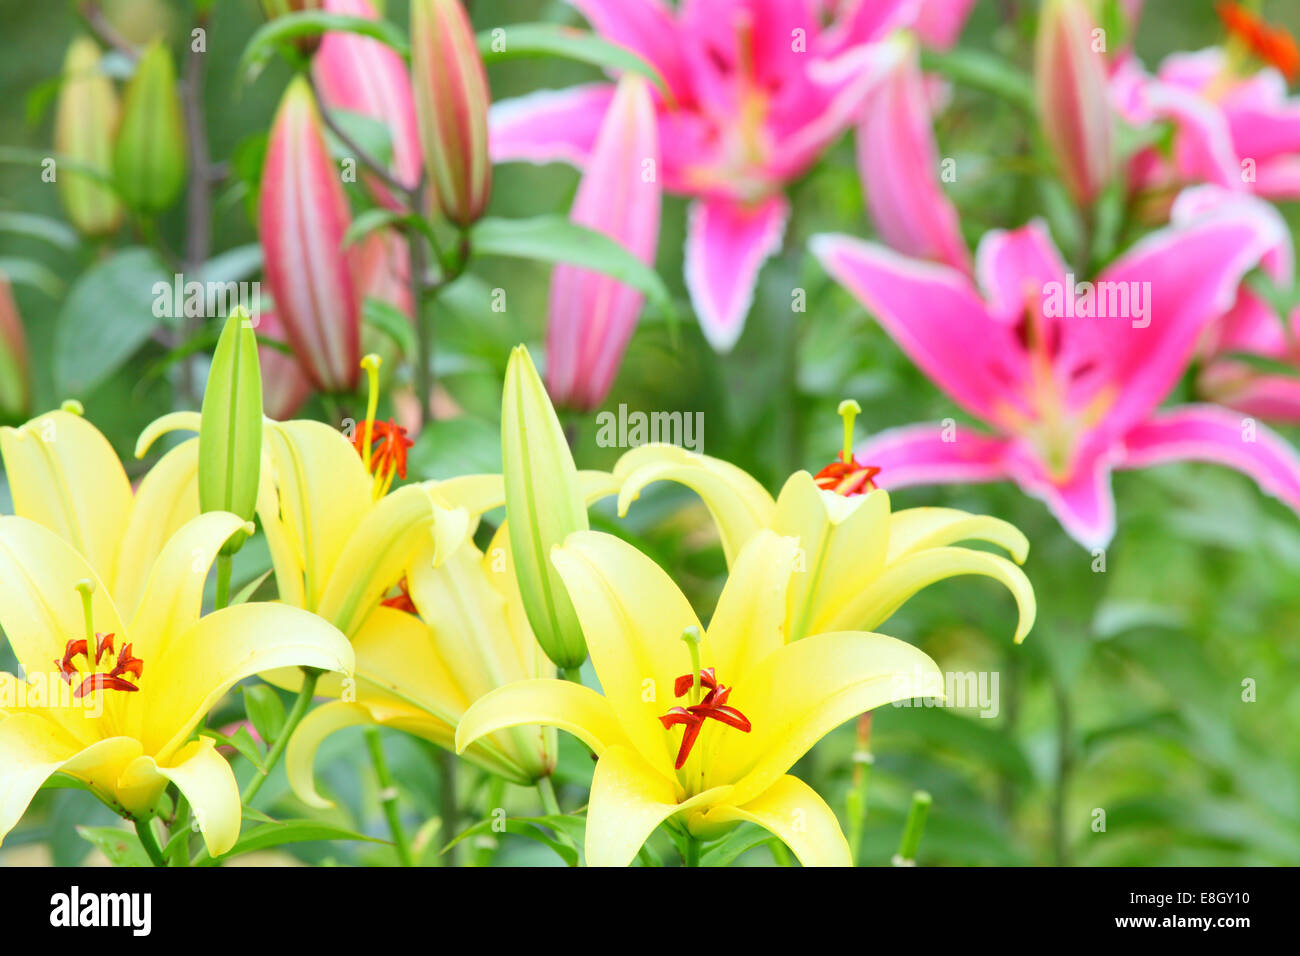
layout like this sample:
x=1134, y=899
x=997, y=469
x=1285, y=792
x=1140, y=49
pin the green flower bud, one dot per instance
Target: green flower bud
x=149, y=155
x=84, y=122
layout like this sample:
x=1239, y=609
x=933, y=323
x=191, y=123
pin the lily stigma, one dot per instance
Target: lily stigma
x=115, y=673
x=847, y=476
x=381, y=445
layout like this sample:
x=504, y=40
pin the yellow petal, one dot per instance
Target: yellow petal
x=173, y=422
x=64, y=475
x=321, y=493
x=167, y=498
x=912, y=572
x=629, y=799
x=799, y=694
x=795, y=813
x=207, y=782
x=843, y=543
x=749, y=622
x=552, y=703
x=595, y=485
x=377, y=553
x=40, y=606
x=199, y=666
x=173, y=597
x=32, y=749
x=477, y=494
x=740, y=506
x=300, y=756
x=916, y=529
x=633, y=617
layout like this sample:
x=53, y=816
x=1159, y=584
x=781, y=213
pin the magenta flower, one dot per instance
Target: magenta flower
x=302, y=218
x=1239, y=132
x=898, y=161
x=758, y=89
x=362, y=75
x=1067, y=376
x=592, y=315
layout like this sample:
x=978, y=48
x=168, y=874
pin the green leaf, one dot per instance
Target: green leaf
x=983, y=71
x=534, y=828
x=108, y=315
x=29, y=272
x=735, y=845
x=265, y=710
x=391, y=321
x=234, y=265
x=243, y=743
x=249, y=589
x=287, y=831
x=375, y=219
x=56, y=233
x=554, y=238
x=120, y=846
x=456, y=446
x=292, y=26
x=546, y=39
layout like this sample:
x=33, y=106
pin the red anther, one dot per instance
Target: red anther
x=388, y=445
x=847, y=478
x=70, y=650
x=401, y=601
x=102, y=682
x=126, y=664
x=1273, y=45
x=713, y=705
x=104, y=643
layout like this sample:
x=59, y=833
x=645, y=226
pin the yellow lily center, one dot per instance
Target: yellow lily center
x=846, y=475
x=381, y=445
x=94, y=662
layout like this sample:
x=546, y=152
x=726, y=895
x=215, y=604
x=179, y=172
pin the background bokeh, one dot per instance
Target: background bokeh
x=1127, y=697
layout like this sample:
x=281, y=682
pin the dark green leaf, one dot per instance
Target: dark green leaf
x=120, y=846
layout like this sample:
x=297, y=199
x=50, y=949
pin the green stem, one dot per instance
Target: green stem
x=299, y=710
x=225, y=565
x=388, y=796
x=1064, y=768
x=914, y=829
x=149, y=840
x=549, y=801
x=573, y=674
x=449, y=809
x=692, y=855
x=857, y=800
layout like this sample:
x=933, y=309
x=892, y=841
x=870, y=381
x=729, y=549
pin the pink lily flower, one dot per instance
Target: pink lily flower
x=757, y=90
x=592, y=316
x=898, y=161
x=1239, y=132
x=1067, y=397
x=302, y=218
x=1253, y=327
x=362, y=75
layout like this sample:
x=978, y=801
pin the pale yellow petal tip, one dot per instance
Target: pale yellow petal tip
x=249, y=528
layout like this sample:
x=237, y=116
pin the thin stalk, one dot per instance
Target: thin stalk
x=691, y=856
x=1064, y=770
x=149, y=840
x=225, y=564
x=449, y=808
x=550, y=803
x=388, y=798
x=857, y=800
x=299, y=710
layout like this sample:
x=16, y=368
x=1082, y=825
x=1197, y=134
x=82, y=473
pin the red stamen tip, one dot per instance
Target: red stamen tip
x=388, y=445
x=847, y=478
x=713, y=705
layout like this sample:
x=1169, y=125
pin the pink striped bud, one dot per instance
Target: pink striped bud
x=15, y=379
x=362, y=75
x=1074, y=106
x=592, y=315
x=451, y=102
x=302, y=218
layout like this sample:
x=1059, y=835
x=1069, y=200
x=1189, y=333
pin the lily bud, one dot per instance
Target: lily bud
x=898, y=162
x=84, y=123
x=15, y=381
x=1074, y=104
x=592, y=315
x=230, y=429
x=302, y=218
x=544, y=505
x=451, y=104
x=149, y=155
x=362, y=75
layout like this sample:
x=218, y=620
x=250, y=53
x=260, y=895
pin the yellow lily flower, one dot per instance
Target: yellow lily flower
x=113, y=704
x=64, y=475
x=668, y=751
x=863, y=561
x=419, y=670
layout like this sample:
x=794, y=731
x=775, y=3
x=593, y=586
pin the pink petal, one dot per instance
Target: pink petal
x=1081, y=500
x=549, y=126
x=863, y=21
x=365, y=76
x=592, y=315
x=1194, y=270
x=898, y=161
x=726, y=244
x=1197, y=201
x=934, y=454
x=934, y=314
x=940, y=22
x=646, y=28
x=1203, y=148
x=1210, y=433
x=1012, y=265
